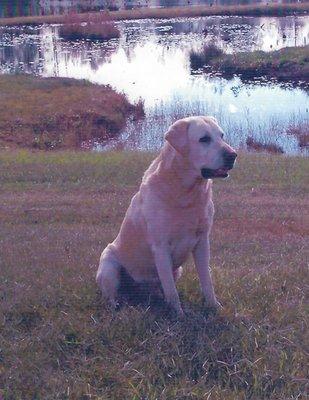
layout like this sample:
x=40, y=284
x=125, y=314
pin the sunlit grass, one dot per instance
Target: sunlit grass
x=58, y=340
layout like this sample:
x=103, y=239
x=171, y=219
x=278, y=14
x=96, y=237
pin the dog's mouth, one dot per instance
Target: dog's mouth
x=215, y=173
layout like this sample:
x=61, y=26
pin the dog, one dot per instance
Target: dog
x=171, y=215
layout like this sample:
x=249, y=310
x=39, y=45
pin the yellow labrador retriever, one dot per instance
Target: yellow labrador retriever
x=171, y=214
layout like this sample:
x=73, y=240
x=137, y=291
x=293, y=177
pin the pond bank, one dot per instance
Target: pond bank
x=173, y=12
x=287, y=64
x=60, y=113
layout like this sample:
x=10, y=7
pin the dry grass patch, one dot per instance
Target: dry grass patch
x=302, y=135
x=58, y=340
x=92, y=26
x=255, y=145
x=57, y=113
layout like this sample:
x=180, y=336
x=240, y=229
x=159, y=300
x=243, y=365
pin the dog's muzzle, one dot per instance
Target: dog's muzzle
x=208, y=173
x=228, y=163
x=229, y=159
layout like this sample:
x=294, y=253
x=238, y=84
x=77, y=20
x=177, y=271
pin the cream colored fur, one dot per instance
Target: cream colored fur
x=170, y=216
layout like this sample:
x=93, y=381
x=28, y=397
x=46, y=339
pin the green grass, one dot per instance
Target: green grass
x=59, y=341
x=290, y=63
x=59, y=113
x=173, y=12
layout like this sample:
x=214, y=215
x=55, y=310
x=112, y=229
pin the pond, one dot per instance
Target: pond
x=150, y=61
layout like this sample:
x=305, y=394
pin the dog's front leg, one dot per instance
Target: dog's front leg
x=201, y=254
x=164, y=267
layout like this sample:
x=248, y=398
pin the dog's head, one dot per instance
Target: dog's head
x=200, y=141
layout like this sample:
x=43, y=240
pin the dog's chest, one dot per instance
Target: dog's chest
x=185, y=233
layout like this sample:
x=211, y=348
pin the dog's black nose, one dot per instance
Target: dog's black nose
x=229, y=159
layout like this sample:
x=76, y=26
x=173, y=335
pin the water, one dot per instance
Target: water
x=151, y=61
x=16, y=8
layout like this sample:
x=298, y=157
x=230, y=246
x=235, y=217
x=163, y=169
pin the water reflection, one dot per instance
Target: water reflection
x=151, y=61
x=242, y=109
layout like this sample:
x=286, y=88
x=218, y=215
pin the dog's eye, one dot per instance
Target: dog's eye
x=205, y=139
x=222, y=136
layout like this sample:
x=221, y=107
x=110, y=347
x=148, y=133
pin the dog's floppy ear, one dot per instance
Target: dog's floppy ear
x=177, y=136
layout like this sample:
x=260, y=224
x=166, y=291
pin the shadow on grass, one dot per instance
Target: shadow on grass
x=199, y=351
x=149, y=296
x=203, y=348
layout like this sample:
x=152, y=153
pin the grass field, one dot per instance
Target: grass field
x=59, y=341
x=257, y=10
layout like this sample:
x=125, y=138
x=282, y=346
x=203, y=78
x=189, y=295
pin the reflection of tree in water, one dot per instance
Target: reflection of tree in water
x=86, y=53
x=31, y=53
x=238, y=34
x=12, y=8
x=230, y=33
x=82, y=53
x=18, y=54
x=291, y=31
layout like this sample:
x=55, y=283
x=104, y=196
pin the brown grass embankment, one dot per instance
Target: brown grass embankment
x=58, y=113
x=57, y=338
x=273, y=9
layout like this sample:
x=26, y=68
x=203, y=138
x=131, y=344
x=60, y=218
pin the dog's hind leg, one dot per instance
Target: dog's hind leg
x=108, y=277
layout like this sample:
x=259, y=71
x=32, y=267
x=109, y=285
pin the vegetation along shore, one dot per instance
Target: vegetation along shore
x=57, y=338
x=287, y=64
x=273, y=9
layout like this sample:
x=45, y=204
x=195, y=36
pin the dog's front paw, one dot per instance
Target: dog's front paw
x=180, y=313
x=213, y=304
x=176, y=308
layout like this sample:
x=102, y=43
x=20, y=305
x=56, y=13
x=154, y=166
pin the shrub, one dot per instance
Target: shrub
x=97, y=27
x=209, y=52
x=255, y=145
x=302, y=135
